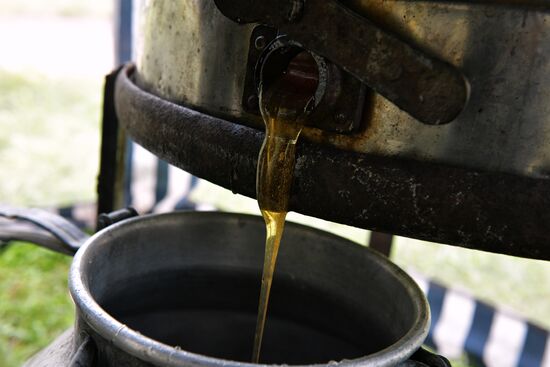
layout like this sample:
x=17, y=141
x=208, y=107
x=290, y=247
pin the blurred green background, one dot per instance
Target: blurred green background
x=54, y=56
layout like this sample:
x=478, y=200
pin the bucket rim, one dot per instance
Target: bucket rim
x=157, y=353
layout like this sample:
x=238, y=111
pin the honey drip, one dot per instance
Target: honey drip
x=274, y=178
x=282, y=114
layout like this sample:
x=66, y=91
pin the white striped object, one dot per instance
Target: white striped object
x=505, y=341
x=179, y=186
x=454, y=324
x=507, y=334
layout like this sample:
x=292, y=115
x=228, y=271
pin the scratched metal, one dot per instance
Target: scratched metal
x=427, y=88
x=488, y=211
x=189, y=53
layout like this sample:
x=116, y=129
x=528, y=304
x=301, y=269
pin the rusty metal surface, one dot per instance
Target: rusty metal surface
x=503, y=50
x=427, y=88
x=494, y=212
x=505, y=53
x=543, y=4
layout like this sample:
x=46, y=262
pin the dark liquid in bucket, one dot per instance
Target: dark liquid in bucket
x=214, y=311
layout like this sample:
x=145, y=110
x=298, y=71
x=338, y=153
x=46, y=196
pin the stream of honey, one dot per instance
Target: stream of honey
x=274, y=178
x=282, y=110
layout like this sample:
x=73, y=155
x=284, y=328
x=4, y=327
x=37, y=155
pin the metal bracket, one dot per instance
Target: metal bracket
x=429, y=89
x=104, y=220
x=403, y=197
x=113, y=152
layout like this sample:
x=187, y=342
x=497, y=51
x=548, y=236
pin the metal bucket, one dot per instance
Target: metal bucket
x=181, y=289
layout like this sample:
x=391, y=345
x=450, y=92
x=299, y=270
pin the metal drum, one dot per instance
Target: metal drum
x=190, y=53
x=431, y=117
x=181, y=289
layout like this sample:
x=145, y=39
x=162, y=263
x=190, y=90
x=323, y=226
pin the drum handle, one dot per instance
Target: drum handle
x=50, y=230
x=424, y=358
x=40, y=227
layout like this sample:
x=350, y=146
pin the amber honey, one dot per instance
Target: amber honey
x=274, y=178
x=283, y=107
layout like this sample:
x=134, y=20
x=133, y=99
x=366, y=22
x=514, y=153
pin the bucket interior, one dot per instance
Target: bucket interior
x=197, y=289
x=213, y=312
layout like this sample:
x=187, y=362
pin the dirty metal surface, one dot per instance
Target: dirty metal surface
x=488, y=211
x=503, y=50
x=430, y=90
x=112, y=155
x=189, y=53
x=542, y=4
x=505, y=53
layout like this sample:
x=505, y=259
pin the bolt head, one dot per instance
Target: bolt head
x=260, y=42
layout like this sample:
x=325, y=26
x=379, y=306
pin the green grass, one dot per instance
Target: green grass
x=34, y=302
x=49, y=151
x=49, y=140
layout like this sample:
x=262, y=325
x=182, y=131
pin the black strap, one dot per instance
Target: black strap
x=70, y=236
x=424, y=358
